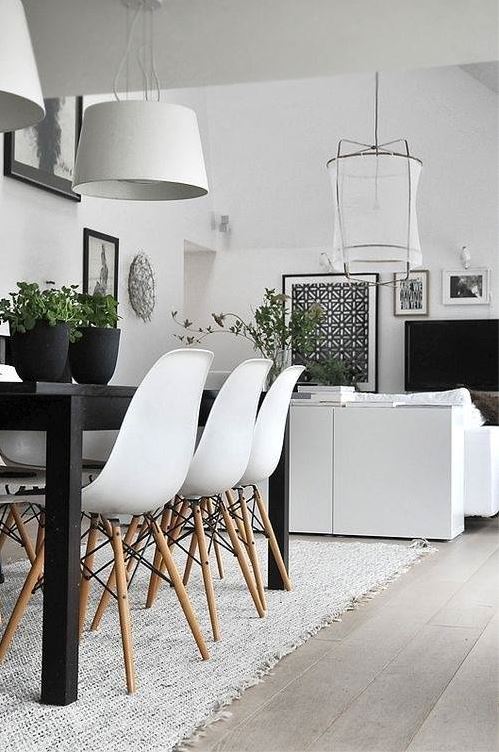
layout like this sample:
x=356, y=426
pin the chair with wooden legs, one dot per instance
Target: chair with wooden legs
x=220, y=458
x=266, y=450
x=147, y=465
x=248, y=511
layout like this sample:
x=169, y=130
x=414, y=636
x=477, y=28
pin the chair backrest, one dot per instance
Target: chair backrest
x=20, y=447
x=224, y=448
x=270, y=426
x=151, y=456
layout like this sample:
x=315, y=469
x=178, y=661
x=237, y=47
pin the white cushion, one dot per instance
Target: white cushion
x=472, y=415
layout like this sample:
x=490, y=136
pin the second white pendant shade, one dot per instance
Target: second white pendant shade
x=140, y=150
x=21, y=99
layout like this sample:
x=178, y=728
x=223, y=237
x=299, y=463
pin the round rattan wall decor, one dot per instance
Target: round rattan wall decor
x=141, y=287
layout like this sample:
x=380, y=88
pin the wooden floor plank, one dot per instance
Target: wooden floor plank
x=466, y=715
x=390, y=711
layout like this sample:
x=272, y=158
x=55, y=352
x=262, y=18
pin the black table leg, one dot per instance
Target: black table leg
x=62, y=554
x=279, y=513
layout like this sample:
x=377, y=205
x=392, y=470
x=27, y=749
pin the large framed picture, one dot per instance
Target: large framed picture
x=466, y=286
x=100, y=263
x=44, y=154
x=349, y=327
x=410, y=296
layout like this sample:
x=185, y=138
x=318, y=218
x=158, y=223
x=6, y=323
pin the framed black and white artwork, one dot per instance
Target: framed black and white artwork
x=44, y=154
x=100, y=263
x=349, y=327
x=466, y=286
x=411, y=295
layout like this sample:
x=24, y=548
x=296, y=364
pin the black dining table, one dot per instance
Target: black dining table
x=64, y=411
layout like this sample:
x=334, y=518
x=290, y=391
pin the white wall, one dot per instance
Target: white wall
x=266, y=145
x=269, y=146
x=41, y=237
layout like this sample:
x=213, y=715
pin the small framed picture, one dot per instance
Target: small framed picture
x=466, y=286
x=411, y=295
x=44, y=154
x=100, y=263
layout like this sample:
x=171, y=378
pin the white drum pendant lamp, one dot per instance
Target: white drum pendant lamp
x=140, y=150
x=374, y=196
x=21, y=99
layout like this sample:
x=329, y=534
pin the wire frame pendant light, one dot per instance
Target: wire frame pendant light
x=142, y=150
x=21, y=99
x=374, y=195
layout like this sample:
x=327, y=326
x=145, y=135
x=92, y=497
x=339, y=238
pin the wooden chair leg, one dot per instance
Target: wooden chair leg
x=241, y=557
x=21, y=528
x=123, y=605
x=206, y=571
x=216, y=545
x=40, y=534
x=87, y=565
x=111, y=580
x=252, y=552
x=188, y=564
x=152, y=591
x=7, y=524
x=274, y=546
x=237, y=518
x=22, y=602
x=180, y=590
x=174, y=531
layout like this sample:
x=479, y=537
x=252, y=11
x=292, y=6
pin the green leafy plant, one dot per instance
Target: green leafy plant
x=273, y=331
x=98, y=310
x=331, y=371
x=28, y=305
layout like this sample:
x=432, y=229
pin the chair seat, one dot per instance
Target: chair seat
x=16, y=483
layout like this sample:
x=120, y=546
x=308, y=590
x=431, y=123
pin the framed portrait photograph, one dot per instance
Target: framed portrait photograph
x=410, y=296
x=44, y=154
x=466, y=286
x=100, y=263
x=349, y=327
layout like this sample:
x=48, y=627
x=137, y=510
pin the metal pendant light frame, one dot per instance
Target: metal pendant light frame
x=375, y=150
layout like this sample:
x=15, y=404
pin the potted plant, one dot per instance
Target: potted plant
x=331, y=371
x=41, y=322
x=93, y=355
x=273, y=332
x=331, y=375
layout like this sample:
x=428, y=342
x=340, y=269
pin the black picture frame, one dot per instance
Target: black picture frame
x=88, y=236
x=371, y=385
x=47, y=181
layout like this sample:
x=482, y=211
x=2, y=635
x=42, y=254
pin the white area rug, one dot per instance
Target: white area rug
x=178, y=692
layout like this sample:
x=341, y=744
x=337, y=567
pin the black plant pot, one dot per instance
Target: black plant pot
x=41, y=354
x=93, y=357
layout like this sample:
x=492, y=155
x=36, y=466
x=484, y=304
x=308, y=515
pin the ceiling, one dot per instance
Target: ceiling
x=486, y=73
x=78, y=43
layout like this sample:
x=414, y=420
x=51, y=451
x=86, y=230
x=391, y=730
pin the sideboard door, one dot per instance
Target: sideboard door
x=311, y=469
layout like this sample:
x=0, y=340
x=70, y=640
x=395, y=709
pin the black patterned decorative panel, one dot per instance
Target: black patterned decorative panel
x=348, y=328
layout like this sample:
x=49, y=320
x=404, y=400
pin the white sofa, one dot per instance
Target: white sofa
x=481, y=471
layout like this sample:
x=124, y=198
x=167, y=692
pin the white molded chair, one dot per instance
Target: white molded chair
x=265, y=453
x=22, y=479
x=219, y=461
x=147, y=465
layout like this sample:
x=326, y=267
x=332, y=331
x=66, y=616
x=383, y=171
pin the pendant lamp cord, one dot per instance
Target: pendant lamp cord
x=154, y=81
x=376, y=106
x=126, y=53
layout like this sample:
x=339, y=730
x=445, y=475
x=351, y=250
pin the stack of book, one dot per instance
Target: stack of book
x=337, y=395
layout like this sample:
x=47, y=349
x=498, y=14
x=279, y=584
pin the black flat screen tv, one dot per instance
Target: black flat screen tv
x=452, y=353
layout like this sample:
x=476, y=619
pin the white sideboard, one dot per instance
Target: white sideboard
x=388, y=471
